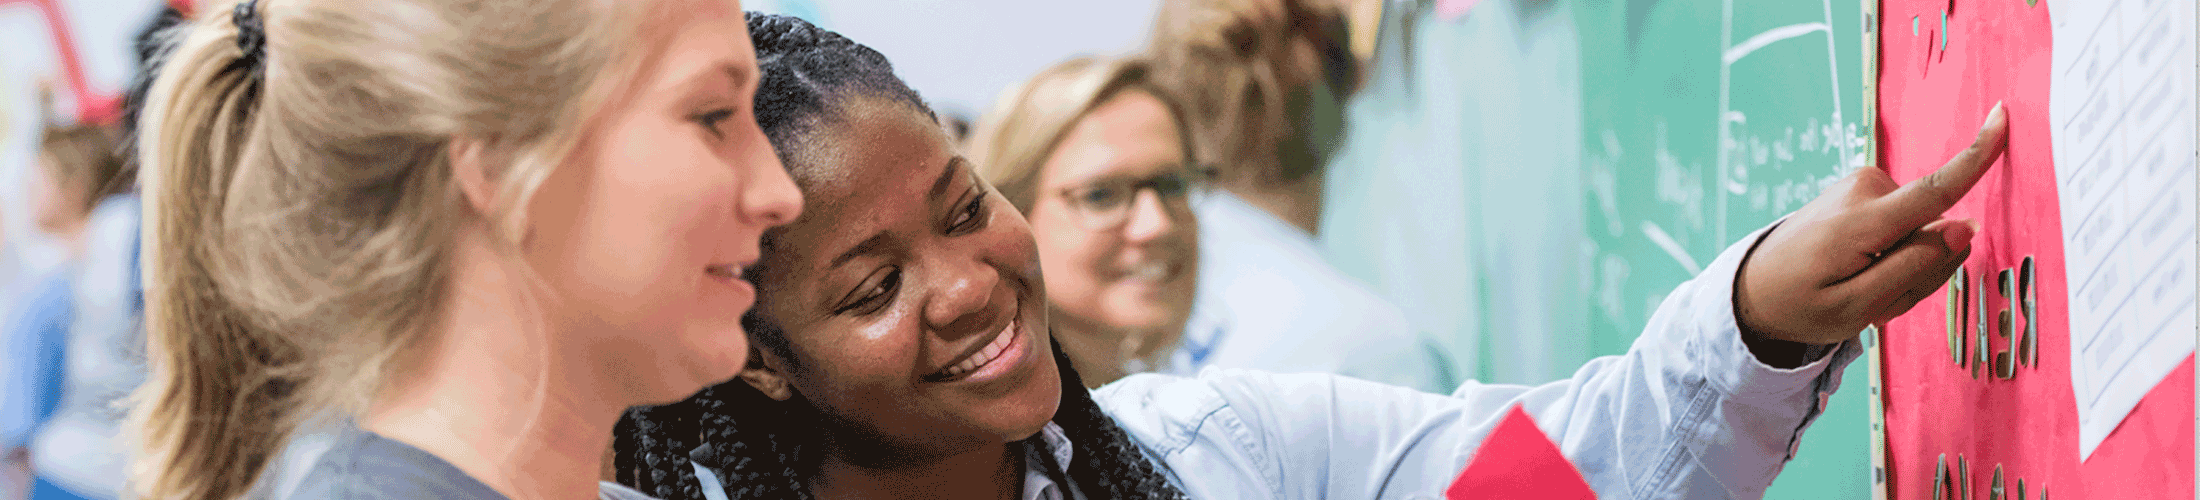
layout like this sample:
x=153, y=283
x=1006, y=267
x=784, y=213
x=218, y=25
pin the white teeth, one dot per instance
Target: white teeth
x=985, y=355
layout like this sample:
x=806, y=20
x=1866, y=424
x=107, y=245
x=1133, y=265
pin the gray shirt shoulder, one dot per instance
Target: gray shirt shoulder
x=362, y=465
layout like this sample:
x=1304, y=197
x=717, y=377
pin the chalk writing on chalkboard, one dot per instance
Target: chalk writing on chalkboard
x=1702, y=122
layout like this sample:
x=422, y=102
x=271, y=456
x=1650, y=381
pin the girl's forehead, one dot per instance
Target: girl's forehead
x=866, y=146
x=874, y=167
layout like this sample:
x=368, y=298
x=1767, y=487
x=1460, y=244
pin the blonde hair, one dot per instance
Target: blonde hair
x=1013, y=141
x=1238, y=65
x=300, y=202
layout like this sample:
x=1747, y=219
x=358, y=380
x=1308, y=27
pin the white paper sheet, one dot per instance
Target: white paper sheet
x=2123, y=108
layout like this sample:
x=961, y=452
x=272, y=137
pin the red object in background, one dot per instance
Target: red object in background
x=91, y=106
x=1931, y=102
x=1451, y=9
x=1517, y=461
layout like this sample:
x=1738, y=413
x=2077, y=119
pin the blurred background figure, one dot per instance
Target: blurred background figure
x=78, y=333
x=71, y=345
x=1478, y=119
x=1264, y=83
x=1101, y=163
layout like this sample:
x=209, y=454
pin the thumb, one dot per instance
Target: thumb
x=1908, y=272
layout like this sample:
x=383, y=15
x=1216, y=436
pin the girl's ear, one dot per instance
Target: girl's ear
x=763, y=373
x=469, y=164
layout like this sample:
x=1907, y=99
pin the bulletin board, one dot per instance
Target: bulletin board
x=1975, y=385
x=1700, y=121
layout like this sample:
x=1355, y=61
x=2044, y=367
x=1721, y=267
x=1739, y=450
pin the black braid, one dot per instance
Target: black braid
x=807, y=71
x=756, y=445
x=760, y=447
x=1106, y=463
x=654, y=453
x=623, y=437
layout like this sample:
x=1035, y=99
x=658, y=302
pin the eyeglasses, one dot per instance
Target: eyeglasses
x=1105, y=204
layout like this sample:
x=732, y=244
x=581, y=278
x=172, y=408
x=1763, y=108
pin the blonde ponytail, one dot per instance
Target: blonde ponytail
x=299, y=203
x=211, y=410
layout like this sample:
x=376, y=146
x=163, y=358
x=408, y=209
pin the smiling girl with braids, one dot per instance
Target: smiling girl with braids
x=903, y=349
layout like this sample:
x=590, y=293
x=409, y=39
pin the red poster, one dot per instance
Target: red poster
x=1943, y=65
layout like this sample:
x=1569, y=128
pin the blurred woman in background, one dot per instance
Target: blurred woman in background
x=73, y=345
x=1100, y=162
x=1263, y=83
x=475, y=230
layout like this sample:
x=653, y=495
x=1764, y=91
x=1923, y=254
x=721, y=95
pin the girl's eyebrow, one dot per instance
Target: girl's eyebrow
x=869, y=245
x=729, y=71
x=878, y=241
x=947, y=175
x=743, y=74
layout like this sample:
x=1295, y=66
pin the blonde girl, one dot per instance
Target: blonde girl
x=473, y=230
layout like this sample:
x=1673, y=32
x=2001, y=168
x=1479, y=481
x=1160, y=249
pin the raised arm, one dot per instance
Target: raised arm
x=1708, y=403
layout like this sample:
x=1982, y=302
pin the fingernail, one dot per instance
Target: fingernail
x=1994, y=116
x=1958, y=236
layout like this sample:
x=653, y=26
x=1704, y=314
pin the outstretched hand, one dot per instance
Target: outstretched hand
x=1864, y=251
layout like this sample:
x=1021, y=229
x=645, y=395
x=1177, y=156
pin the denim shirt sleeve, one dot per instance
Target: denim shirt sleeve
x=1687, y=412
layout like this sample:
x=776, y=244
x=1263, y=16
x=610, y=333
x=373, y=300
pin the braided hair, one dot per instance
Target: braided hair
x=760, y=447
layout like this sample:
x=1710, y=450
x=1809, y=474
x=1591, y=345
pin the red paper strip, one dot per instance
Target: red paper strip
x=1517, y=461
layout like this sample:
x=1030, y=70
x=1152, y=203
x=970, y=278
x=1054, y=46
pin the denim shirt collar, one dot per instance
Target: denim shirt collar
x=1038, y=483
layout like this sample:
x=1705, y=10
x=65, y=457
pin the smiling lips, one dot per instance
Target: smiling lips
x=986, y=355
x=1156, y=271
x=1150, y=272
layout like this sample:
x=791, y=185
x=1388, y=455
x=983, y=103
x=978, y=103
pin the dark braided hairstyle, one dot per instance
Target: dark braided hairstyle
x=760, y=447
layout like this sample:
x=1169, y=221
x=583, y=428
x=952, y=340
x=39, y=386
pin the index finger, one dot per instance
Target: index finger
x=1923, y=200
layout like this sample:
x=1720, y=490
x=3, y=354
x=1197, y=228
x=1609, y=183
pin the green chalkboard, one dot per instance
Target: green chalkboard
x=1705, y=120
x=1527, y=181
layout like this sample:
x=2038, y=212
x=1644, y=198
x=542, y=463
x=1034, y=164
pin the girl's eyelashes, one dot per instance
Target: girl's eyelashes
x=873, y=294
x=710, y=120
x=878, y=290
x=971, y=216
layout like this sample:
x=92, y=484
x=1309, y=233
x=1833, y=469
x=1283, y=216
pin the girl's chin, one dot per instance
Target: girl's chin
x=1040, y=409
x=711, y=363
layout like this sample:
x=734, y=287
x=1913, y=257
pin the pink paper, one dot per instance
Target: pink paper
x=1935, y=88
x=1517, y=461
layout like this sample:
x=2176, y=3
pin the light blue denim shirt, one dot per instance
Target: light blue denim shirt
x=1687, y=412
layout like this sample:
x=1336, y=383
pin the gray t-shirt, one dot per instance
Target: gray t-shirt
x=362, y=465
